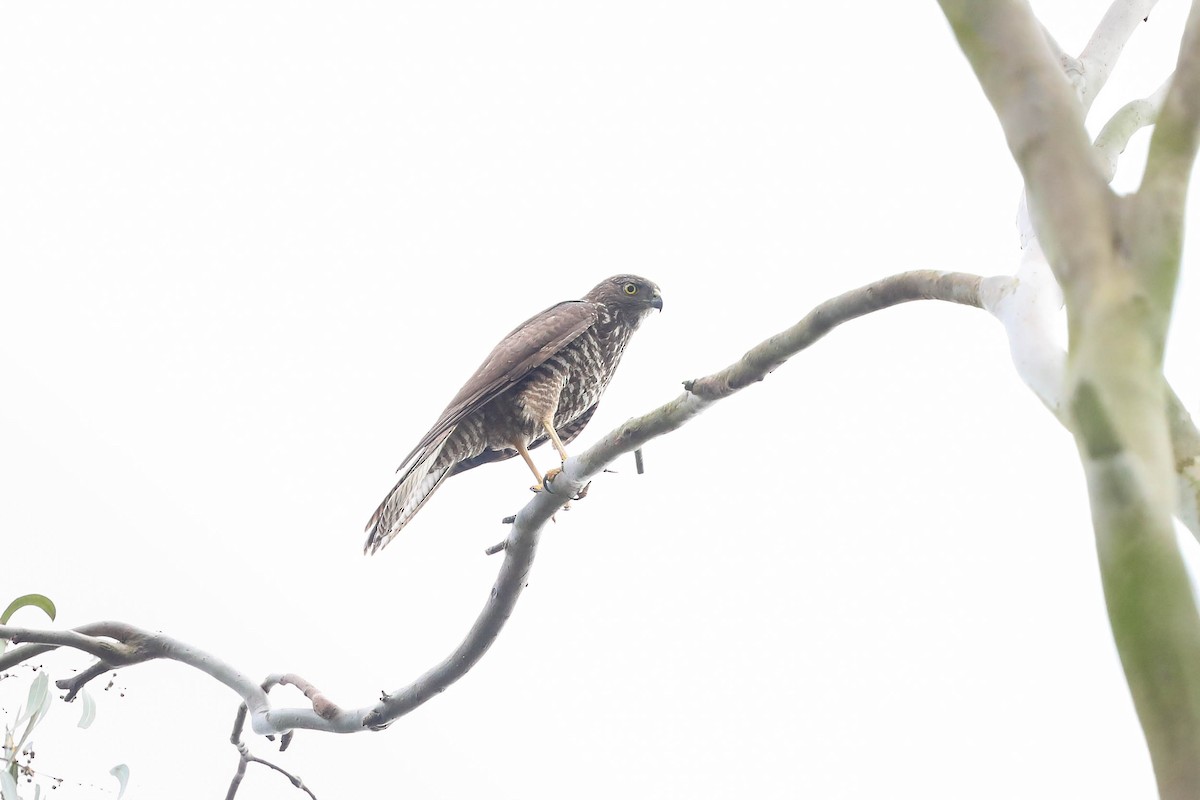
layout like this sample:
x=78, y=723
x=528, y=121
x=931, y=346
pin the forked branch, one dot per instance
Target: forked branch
x=118, y=644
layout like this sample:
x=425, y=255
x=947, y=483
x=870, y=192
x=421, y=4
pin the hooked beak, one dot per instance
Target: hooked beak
x=656, y=302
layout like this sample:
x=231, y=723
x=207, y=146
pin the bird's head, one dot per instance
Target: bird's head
x=627, y=293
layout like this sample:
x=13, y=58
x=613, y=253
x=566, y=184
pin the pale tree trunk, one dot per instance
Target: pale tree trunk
x=1117, y=260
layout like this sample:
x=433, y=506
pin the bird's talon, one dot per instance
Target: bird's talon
x=549, y=479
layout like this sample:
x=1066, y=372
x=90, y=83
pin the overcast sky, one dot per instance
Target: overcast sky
x=250, y=251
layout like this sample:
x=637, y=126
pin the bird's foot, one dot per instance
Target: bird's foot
x=548, y=481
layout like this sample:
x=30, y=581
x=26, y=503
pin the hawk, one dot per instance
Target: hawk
x=541, y=383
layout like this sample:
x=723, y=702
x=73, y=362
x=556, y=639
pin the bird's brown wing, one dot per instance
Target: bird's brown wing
x=525, y=348
x=567, y=433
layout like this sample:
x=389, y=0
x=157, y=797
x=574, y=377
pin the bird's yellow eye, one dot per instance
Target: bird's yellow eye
x=630, y=288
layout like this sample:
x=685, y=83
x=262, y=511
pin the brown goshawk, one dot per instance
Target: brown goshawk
x=541, y=383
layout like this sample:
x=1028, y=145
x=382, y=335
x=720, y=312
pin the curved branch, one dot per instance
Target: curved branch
x=245, y=757
x=132, y=645
x=952, y=287
x=1129, y=119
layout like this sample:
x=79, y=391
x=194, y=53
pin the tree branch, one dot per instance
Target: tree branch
x=1130, y=118
x=1043, y=124
x=953, y=287
x=1100, y=54
x=132, y=645
x=245, y=757
x=1173, y=145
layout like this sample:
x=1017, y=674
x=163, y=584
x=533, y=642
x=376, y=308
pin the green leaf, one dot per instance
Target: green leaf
x=121, y=773
x=38, y=691
x=38, y=705
x=39, y=600
x=89, y=710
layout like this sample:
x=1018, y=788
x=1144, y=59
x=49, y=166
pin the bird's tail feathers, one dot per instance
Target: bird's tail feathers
x=404, y=501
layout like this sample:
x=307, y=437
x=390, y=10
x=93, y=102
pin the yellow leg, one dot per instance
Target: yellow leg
x=557, y=442
x=529, y=460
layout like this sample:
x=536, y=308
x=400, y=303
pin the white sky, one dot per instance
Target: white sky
x=250, y=251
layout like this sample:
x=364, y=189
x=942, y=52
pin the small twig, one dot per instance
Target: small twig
x=73, y=685
x=498, y=547
x=237, y=777
x=246, y=757
x=637, y=459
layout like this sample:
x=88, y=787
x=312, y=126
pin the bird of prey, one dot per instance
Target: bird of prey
x=541, y=383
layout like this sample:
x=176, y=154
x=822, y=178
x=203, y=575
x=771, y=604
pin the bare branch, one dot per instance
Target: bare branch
x=953, y=287
x=1163, y=193
x=73, y=685
x=246, y=757
x=77, y=638
x=1102, y=51
x=133, y=645
x=1043, y=124
x=1130, y=118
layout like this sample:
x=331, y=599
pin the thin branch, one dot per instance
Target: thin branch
x=1130, y=118
x=1102, y=51
x=246, y=757
x=1156, y=211
x=1175, y=140
x=73, y=685
x=952, y=287
x=240, y=773
x=133, y=646
x=42, y=641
